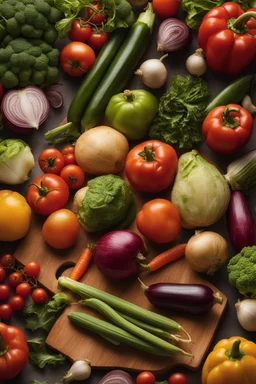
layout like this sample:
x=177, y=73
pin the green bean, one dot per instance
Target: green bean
x=115, y=318
x=103, y=328
x=124, y=306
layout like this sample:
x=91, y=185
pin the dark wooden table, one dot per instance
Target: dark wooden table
x=229, y=325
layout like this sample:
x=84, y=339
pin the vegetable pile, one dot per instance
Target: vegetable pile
x=140, y=177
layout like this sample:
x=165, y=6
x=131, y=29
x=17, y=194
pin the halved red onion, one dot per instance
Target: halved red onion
x=117, y=376
x=24, y=109
x=54, y=96
x=173, y=34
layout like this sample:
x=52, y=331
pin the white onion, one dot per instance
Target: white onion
x=246, y=314
x=153, y=73
x=196, y=63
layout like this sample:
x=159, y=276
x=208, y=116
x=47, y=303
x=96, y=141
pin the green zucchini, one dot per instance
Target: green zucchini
x=233, y=93
x=94, y=76
x=121, y=69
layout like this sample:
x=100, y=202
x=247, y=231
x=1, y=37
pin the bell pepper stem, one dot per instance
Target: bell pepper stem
x=3, y=346
x=239, y=25
x=235, y=353
x=228, y=120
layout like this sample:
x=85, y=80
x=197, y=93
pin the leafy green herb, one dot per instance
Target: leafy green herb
x=44, y=316
x=181, y=112
x=197, y=9
x=118, y=13
x=39, y=356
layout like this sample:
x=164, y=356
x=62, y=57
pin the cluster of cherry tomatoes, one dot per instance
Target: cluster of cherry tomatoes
x=149, y=378
x=87, y=37
x=23, y=281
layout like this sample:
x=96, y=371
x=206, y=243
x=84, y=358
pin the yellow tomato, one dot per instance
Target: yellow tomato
x=15, y=214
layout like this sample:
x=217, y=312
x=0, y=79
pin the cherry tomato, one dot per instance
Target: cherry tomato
x=146, y=378
x=68, y=153
x=5, y=292
x=73, y=175
x=80, y=31
x=32, y=269
x=51, y=161
x=39, y=296
x=47, y=194
x=15, y=279
x=17, y=303
x=95, y=14
x=166, y=8
x=70, y=159
x=159, y=221
x=97, y=39
x=7, y=261
x=178, y=378
x=23, y=289
x=5, y=312
x=2, y=274
x=61, y=229
x=77, y=58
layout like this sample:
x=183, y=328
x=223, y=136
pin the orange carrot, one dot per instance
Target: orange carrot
x=82, y=263
x=165, y=257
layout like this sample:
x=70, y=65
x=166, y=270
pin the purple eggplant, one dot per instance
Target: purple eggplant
x=193, y=299
x=241, y=226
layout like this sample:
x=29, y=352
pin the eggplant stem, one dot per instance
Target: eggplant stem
x=218, y=299
x=143, y=286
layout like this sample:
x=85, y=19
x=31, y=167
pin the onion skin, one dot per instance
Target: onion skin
x=193, y=299
x=241, y=226
x=117, y=377
x=116, y=254
x=173, y=35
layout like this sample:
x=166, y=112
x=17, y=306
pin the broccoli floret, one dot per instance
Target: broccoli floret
x=9, y=80
x=6, y=54
x=13, y=27
x=53, y=57
x=242, y=271
x=34, y=51
x=45, y=47
x=20, y=6
x=130, y=18
x=51, y=75
x=27, y=30
x=3, y=69
x=30, y=14
x=123, y=8
x=54, y=15
x=7, y=40
x=28, y=2
x=50, y=36
x=37, y=77
x=42, y=7
x=41, y=63
x=7, y=10
x=26, y=61
x=20, y=17
x=41, y=22
x=20, y=45
x=15, y=60
x=25, y=75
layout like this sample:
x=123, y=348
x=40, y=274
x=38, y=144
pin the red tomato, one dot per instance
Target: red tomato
x=7, y=261
x=1, y=91
x=15, y=279
x=95, y=14
x=32, y=269
x=39, y=296
x=51, y=161
x=47, y=194
x=23, y=289
x=178, y=378
x=159, y=221
x=5, y=312
x=2, y=274
x=73, y=175
x=5, y=292
x=97, y=39
x=17, y=303
x=77, y=58
x=61, y=229
x=151, y=166
x=166, y=8
x=68, y=153
x=80, y=31
x=146, y=378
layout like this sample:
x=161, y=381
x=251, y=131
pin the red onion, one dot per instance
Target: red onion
x=118, y=253
x=117, y=377
x=24, y=109
x=54, y=96
x=173, y=34
x=241, y=225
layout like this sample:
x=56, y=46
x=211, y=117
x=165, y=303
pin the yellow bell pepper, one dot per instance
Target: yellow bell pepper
x=15, y=214
x=232, y=361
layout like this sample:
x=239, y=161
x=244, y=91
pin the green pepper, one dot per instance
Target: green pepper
x=132, y=112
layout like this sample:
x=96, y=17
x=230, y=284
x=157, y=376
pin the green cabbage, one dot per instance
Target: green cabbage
x=16, y=161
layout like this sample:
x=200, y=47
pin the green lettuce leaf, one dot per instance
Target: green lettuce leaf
x=39, y=355
x=181, y=112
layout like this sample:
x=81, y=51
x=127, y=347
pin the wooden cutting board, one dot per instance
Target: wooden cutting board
x=76, y=343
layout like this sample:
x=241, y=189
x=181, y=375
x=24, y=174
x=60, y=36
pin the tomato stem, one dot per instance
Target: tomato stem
x=43, y=191
x=238, y=25
x=228, y=120
x=129, y=95
x=148, y=154
x=50, y=162
x=3, y=347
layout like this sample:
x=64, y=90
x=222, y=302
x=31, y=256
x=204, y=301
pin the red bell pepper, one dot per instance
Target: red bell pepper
x=13, y=351
x=227, y=35
x=227, y=128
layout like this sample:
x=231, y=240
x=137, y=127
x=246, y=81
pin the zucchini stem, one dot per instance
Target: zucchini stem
x=70, y=134
x=147, y=17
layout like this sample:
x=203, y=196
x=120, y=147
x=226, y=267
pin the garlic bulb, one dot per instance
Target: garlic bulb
x=80, y=370
x=246, y=314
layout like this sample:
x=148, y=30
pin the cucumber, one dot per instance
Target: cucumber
x=233, y=93
x=94, y=76
x=121, y=69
